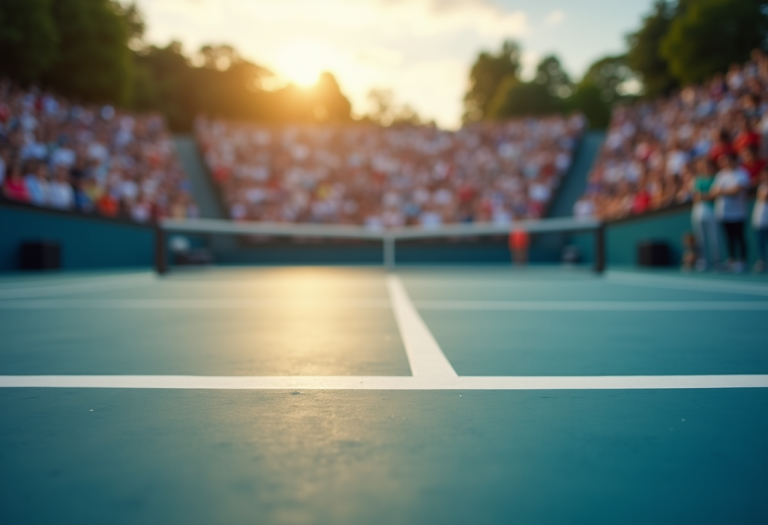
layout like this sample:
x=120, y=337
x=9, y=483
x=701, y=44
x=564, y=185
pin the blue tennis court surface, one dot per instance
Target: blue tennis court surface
x=350, y=395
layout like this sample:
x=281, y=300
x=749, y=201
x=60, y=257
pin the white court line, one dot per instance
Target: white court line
x=425, y=356
x=389, y=382
x=91, y=284
x=600, y=306
x=189, y=304
x=255, y=304
x=685, y=283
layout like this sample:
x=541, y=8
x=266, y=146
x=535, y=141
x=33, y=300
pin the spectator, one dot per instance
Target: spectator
x=107, y=205
x=760, y=221
x=703, y=215
x=61, y=195
x=389, y=177
x=37, y=185
x=648, y=158
x=14, y=186
x=752, y=164
x=730, y=192
x=92, y=148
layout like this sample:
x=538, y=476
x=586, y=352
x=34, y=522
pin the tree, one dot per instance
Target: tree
x=644, y=54
x=328, y=96
x=488, y=72
x=28, y=38
x=544, y=95
x=550, y=73
x=604, y=84
x=709, y=35
x=519, y=99
x=94, y=62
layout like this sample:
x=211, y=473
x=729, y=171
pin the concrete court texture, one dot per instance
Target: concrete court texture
x=350, y=395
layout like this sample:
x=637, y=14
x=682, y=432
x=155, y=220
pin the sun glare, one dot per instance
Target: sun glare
x=302, y=62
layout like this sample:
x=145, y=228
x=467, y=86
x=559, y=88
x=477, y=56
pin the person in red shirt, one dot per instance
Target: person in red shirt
x=108, y=205
x=722, y=146
x=752, y=163
x=747, y=137
x=641, y=202
x=519, y=242
x=14, y=187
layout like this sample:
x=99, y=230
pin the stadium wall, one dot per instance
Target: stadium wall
x=667, y=226
x=87, y=242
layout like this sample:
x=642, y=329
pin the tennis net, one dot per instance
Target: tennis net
x=548, y=241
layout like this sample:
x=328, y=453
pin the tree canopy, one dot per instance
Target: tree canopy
x=93, y=51
x=707, y=36
x=678, y=43
x=489, y=72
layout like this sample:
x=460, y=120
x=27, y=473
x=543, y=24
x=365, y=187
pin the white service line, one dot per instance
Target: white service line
x=425, y=356
x=592, y=306
x=686, y=283
x=91, y=284
x=389, y=382
x=189, y=304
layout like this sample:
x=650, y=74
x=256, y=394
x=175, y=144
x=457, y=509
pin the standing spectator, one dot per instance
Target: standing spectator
x=730, y=192
x=752, y=164
x=760, y=221
x=703, y=215
x=722, y=145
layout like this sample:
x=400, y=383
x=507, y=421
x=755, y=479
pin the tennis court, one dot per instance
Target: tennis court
x=356, y=395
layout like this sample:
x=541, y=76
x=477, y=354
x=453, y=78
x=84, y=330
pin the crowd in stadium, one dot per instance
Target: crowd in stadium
x=93, y=159
x=707, y=144
x=386, y=177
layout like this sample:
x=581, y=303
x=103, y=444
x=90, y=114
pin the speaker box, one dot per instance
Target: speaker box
x=654, y=253
x=40, y=255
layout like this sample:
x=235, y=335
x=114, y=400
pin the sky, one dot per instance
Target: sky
x=421, y=50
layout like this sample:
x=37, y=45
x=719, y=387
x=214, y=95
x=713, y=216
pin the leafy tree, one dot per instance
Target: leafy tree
x=644, y=54
x=518, y=99
x=708, y=35
x=611, y=75
x=587, y=99
x=164, y=83
x=603, y=85
x=551, y=74
x=28, y=38
x=94, y=62
x=487, y=74
x=544, y=95
x=328, y=96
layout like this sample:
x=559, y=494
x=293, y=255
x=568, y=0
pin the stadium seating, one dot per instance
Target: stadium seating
x=385, y=177
x=55, y=153
x=649, y=157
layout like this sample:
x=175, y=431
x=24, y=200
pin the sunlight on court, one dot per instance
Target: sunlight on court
x=420, y=393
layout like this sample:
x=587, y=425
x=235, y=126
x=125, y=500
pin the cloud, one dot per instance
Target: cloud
x=555, y=18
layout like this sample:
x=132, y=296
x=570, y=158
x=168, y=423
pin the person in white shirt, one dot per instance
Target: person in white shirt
x=760, y=221
x=730, y=193
x=61, y=195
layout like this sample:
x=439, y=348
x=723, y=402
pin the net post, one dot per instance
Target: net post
x=389, y=251
x=161, y=256
x=600, y=248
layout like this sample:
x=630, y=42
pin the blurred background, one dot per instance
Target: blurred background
x=378, y=113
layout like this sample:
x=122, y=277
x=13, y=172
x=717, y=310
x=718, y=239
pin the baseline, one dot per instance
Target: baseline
x=388, y=382
x=596, y=306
